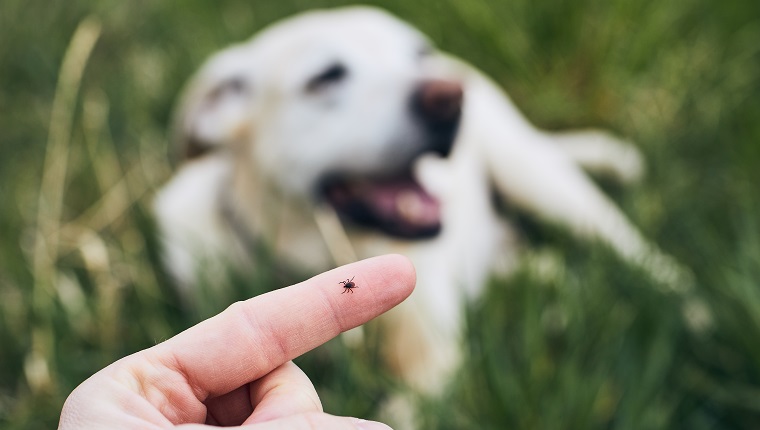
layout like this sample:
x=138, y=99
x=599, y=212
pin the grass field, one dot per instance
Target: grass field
x=86, y=91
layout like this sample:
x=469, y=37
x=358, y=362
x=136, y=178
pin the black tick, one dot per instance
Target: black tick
x=348, y=285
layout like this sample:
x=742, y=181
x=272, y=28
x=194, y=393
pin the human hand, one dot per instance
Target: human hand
x=234, y=369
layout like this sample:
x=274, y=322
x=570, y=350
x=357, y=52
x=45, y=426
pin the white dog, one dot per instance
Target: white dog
x=338, y=135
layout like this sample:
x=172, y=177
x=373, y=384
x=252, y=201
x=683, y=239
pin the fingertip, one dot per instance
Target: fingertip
x=404, y=270
x=381, y=283
x=403, y=264
x=393, y=277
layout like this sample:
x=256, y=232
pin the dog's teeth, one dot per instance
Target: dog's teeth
x=409, y=205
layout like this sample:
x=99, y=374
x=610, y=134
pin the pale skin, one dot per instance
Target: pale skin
x=235, y=369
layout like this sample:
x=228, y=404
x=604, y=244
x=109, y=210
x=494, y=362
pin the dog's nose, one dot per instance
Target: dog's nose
x=438, y=104
x=439, y=101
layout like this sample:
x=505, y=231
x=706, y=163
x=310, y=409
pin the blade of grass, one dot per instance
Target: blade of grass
x=50, y=202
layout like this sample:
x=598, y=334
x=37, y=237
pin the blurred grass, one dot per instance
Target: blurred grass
x=595, y=346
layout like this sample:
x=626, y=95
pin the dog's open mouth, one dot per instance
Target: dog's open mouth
x=397, y=206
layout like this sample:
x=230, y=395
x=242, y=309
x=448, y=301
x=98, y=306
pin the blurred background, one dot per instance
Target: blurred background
x=86, y=92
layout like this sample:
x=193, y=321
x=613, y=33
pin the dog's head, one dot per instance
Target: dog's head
x=334, y=106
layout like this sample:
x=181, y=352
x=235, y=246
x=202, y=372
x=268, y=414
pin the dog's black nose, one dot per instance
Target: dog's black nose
x=438, y=104
x=438, y=101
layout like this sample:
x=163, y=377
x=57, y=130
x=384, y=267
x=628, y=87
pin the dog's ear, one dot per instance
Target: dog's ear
x=215, y=109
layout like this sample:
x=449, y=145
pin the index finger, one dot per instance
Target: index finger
x=253, y=337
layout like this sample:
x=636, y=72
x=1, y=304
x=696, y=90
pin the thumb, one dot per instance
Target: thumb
x=310, y=421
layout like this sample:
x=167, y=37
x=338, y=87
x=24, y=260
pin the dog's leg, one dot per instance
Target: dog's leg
x=190, y=224
x=532, y=173
x=420, y=351
x=601, y=153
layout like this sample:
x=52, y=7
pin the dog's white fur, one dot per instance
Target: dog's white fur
x=267, y=144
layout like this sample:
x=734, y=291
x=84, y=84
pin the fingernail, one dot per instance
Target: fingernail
x=370, y=425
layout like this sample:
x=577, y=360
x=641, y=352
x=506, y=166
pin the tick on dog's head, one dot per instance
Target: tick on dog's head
x=335, y=106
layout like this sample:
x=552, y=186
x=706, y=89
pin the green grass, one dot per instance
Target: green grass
x=598, y=346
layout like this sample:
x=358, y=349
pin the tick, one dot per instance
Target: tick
x=348, y=285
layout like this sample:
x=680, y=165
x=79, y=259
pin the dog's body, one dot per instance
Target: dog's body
x=339, y=135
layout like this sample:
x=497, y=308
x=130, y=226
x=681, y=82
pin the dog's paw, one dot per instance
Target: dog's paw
x=603, y=154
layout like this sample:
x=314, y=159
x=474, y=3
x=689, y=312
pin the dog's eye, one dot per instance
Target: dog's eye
x=230, y=87
x=425, y=51
x=331, y=75
x=235, y=85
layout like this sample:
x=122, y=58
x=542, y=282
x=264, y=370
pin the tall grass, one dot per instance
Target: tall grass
x=87, y=91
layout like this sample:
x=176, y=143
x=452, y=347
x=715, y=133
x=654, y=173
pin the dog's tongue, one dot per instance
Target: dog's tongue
x=404, y=202
x=400, y=207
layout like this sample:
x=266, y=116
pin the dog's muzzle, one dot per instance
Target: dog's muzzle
x=394, y=203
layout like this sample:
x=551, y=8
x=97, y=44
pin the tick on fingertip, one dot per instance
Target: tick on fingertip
x=348, y=285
